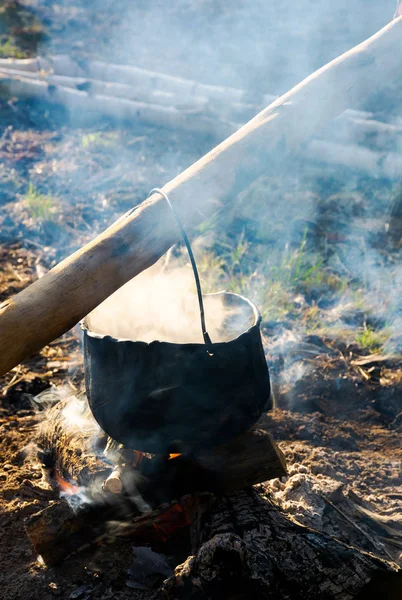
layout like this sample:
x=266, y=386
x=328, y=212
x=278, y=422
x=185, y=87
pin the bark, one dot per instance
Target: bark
x=249, y=549
x=57, y=301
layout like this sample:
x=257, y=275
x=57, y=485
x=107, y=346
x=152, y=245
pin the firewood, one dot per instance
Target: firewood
x=248, y=459
x=68, y=446
x=189, y=97
x=61, y=529
x=70, y=525
x=116, y=108
x=57, y=301
x=221, y=108
x=249, y=548
x=113, y=483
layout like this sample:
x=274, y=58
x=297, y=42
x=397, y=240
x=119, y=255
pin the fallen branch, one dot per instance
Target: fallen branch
x=68, y=292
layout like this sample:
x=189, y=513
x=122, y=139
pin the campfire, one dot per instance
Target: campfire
x=167, y=425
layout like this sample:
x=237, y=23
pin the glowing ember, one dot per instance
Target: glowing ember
x=65, y=486
x=170, y=521
x=138, y=456
x=173, y=456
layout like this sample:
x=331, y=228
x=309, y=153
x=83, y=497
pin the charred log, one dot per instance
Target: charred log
x=248, y=548
x=71, y=524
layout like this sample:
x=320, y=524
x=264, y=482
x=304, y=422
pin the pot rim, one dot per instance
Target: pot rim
x=256, y=323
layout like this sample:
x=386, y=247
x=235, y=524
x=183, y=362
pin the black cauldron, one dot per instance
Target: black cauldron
x=163, y=397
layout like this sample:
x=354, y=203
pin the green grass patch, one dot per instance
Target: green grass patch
x=99, y=139
x=41, y=207
x=303, y=271
x=10, y=50
x=372, y=340
x=277, y=302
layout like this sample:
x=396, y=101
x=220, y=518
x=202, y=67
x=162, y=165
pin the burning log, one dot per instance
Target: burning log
x=248, y=548
x=61, y=529
x=57, y=301
x=70, y=525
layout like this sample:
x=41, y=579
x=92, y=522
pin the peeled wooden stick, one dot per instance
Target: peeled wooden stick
x=68, y=292
x=113, y=483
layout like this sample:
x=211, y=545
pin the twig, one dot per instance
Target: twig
x=380, y=549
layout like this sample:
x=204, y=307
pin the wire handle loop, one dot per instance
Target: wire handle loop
x=205, y=335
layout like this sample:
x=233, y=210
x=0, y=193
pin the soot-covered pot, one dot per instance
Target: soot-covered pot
x=180, y=397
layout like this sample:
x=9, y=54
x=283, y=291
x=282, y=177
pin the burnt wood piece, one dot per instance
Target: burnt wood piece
x=249, y=549
x=69, y=525
x=67, y=445
x=59, y=529
x=248, y=459
x=62, y=297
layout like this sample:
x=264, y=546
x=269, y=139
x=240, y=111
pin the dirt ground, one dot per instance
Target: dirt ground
x=338, y=415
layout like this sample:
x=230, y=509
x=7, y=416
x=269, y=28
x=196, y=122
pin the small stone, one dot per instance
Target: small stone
x=53, y=587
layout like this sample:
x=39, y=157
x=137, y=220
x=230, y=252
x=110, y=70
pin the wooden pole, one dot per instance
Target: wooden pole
x=57, y=301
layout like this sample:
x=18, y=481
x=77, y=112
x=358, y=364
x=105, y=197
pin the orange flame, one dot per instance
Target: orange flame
x=65, y=486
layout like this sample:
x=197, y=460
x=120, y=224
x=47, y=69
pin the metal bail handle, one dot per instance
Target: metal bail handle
x=205, y=335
